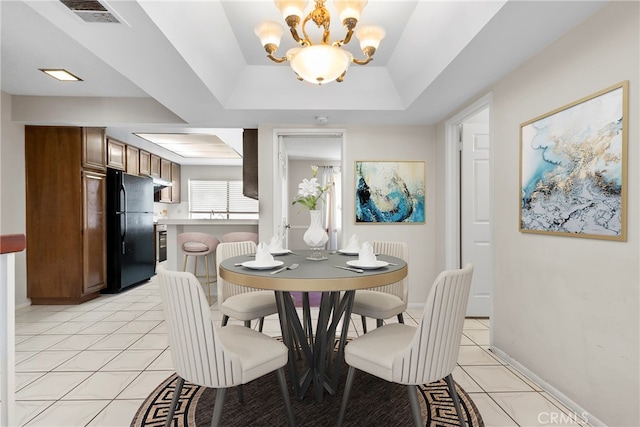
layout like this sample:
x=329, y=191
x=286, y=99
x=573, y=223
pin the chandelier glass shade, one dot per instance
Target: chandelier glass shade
x=326, y=61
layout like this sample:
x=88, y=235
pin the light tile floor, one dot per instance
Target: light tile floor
x=93, y=364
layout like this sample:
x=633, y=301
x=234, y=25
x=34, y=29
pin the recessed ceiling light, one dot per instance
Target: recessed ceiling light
x=60, y=74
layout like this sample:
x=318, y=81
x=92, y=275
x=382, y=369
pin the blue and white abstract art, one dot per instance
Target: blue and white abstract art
x=390, y=192
x=572, y=168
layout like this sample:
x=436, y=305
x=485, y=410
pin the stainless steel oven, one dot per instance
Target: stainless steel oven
x=161, y=242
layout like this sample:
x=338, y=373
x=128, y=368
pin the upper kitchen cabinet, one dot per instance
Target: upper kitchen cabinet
x=65, y=215
x=250, y=163
x=155, y=166
x=94, y=149
x=175, y=183
x=145, y=163
x=133, y=160
x=165, y=173
x=116, y=154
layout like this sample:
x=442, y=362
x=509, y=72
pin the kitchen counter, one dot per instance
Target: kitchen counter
x=216, y=227
x=189, y=221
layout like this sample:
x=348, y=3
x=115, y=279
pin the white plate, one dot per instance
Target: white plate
x=254, y=266
x=347, y=252
x=281, y=252
x=358, y=264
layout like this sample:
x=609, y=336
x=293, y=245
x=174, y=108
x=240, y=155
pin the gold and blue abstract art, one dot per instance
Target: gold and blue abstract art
x=572, y=168
x=390, y=191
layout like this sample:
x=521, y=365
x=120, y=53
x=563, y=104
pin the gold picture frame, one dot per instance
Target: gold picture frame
x=573, y=168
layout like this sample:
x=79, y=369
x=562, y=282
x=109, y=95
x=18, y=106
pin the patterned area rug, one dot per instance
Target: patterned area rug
x=263, y=405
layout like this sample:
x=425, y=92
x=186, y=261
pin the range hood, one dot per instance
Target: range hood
x=159, y=183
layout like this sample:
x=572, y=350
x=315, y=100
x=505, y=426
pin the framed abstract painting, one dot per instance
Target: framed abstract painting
x=573, y=168
x=390, y=192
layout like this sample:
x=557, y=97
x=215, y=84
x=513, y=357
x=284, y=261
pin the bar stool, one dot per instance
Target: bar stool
x=240, y=236
x=198, y=244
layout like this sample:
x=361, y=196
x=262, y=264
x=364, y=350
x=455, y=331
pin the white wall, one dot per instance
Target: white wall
x=372, y=143
x=12, y=190
x=567, y=309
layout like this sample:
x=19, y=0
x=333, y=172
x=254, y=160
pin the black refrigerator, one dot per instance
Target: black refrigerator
x=130, y=250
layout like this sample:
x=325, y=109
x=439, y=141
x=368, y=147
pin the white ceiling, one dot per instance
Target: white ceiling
x=201, y=62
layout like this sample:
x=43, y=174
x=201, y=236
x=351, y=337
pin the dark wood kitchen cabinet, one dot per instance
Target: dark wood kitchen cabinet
x=250, y=163
x=94, y=258
x=65, y=214
x=116, y=154
x=133, y=160
x=155, y=166
x=165, y=173
x=175, y=183
x=145, y=163
x=94, y=149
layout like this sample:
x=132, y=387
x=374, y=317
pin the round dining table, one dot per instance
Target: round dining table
x=337, y=282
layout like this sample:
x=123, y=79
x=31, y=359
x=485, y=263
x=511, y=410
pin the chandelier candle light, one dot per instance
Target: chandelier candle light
x=325, y=62
x=309, y=193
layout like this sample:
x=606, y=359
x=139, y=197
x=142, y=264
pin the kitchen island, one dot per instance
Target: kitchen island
x=216, y=227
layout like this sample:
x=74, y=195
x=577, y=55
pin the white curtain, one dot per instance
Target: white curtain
x=330, y=175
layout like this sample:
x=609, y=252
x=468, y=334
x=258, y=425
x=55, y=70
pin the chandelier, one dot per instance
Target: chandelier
x=324, y=62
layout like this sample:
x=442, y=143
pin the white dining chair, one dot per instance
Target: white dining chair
x=386, y=301
x=411, y=355
x=242, y=302
x=209, y=356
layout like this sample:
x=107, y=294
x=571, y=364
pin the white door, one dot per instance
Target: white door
x=475, y=215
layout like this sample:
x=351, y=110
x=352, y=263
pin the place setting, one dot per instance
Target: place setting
x=264, y=255
x=366, y=259
x=352, y=248
x=263, y=259
x=276, y=247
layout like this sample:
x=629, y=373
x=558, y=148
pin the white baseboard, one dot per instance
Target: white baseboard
x=416, y=306
x=578, y=413
x=23, y=305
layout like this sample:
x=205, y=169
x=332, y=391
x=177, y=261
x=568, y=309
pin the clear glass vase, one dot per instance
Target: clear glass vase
x=316, y=236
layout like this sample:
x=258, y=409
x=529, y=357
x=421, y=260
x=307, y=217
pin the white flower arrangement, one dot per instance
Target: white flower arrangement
x=310, y=191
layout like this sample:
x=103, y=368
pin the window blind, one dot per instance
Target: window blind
x=221, y=197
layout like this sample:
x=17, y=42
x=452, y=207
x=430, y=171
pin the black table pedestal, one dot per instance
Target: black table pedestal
x=320, y=369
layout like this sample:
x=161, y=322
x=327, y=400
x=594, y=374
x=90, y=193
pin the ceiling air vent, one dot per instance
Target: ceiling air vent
x=91, y=11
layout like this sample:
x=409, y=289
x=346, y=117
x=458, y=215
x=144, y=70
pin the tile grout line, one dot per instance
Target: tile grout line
x=52, y=370
x=485, y=391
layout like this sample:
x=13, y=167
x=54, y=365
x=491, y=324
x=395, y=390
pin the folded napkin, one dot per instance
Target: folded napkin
x=366, y=255
x=263, y=255
x=353, y=245
x=276, y=244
